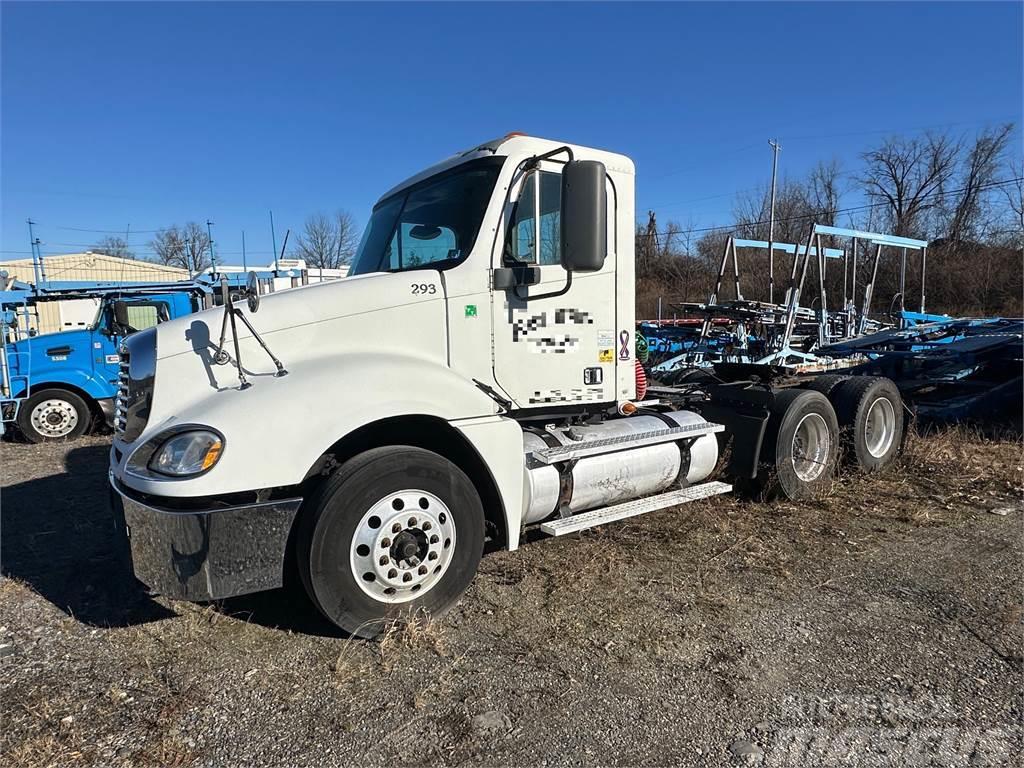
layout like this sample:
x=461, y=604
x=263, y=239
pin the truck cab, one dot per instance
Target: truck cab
x=57, y=385
x=473, y=379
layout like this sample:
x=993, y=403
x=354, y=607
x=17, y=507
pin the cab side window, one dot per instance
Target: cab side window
x=143, y=316
x=538, y=218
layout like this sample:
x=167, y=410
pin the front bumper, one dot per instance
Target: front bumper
x=207, y=554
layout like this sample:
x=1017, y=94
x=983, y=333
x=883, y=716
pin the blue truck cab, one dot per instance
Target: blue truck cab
x=59, y=385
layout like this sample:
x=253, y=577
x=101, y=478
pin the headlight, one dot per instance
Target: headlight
x=187, y=453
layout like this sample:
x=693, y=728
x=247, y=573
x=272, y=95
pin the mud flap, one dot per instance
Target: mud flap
x=743, y=410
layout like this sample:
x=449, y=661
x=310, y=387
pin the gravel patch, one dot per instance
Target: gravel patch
x=879, y=626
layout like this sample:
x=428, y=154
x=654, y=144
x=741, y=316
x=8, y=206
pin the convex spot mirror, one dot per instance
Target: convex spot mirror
x=584, y=216
x=252, y=290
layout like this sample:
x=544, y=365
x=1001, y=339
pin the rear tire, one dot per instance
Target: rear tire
x=870, y=412
x=395, y=531
x=801, y=445
x=826, y=383
x=53, y=414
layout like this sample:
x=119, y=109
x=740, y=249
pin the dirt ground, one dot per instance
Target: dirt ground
x=880, y=626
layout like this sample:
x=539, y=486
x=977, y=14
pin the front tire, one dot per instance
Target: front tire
x=53, y=414
x=395, y=531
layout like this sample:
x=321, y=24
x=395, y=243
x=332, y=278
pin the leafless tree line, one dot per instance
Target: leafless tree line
x=326, y=241
x=962, y=195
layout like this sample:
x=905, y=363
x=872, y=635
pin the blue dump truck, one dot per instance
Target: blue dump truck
x=59, y=385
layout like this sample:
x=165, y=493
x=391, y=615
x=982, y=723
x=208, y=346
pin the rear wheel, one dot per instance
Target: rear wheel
x=800, y=447
x=394, y=531
x=870, y=412
x=826, y=383
x=53, y=414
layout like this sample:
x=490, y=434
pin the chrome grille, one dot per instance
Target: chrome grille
x=121, y=399
x=135, y=384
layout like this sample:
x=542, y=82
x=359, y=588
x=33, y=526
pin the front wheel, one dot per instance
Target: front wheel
x=53, y=414
x=394, y=531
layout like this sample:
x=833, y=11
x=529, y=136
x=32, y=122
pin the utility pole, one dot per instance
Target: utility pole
x=213, y=257
x=245, y=267
x=37, y=257
x=774, y=144
x=273, y=241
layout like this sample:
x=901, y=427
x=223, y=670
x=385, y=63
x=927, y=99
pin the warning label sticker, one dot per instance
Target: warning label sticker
x=606, y=356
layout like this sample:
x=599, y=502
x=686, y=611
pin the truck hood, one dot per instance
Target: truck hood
x=302, y=313
x=50, y=346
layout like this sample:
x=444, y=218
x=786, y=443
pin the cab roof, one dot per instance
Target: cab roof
x=515, y=144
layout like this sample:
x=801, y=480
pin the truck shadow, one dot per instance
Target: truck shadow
x=61, y=537
x=287, y=609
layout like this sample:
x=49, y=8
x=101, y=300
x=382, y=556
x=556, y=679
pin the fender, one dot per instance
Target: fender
x=301, y=415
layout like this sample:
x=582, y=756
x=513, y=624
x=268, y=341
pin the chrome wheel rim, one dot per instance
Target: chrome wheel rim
x=402, y=546
x=880, y=427
x=54, y=418
x=811, y=445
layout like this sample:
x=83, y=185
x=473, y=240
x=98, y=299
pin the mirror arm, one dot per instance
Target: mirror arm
x=537, y=159
x=561, y=292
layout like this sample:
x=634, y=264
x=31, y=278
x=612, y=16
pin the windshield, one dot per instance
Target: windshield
x=432, y=224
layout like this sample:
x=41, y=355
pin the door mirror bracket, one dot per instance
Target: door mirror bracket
x=509, y=278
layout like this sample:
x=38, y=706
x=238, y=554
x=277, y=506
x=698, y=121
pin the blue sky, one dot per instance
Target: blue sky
x=147, y=114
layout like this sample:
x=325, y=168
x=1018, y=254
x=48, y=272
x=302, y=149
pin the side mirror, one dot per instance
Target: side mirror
x=584, y=216
x=121, y=314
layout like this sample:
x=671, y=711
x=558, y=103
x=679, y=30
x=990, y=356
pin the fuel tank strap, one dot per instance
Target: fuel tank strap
x=662, y=417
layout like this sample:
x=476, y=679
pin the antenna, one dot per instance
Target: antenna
x=284, y=245
x=273, y=241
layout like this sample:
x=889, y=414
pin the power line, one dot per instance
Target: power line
x=107, y=231
x=851, y=209
x=897, y=130
x=782, y=135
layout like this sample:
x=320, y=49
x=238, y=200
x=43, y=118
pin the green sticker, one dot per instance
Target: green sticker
x=471, y=310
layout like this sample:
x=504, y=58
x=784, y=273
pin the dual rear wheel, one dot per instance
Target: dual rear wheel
x=851, y=420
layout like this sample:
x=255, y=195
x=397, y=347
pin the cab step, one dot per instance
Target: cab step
x=611, y=444
x=604, y=515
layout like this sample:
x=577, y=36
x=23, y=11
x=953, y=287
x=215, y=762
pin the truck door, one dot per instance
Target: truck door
x=142, y=314
x=553, y=350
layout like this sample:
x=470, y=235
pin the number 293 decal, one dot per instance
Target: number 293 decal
x=418, y=288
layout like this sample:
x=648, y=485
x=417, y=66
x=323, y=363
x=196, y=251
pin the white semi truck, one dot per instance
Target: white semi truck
x=473, y=380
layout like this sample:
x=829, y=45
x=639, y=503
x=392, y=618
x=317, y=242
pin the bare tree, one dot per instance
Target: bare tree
x=824, y=193
x=328, y=242
x=187, y=247
x=1015, y=197
x=907, y=176
x=979, y=170
x=114, y=246
x=794, y=209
